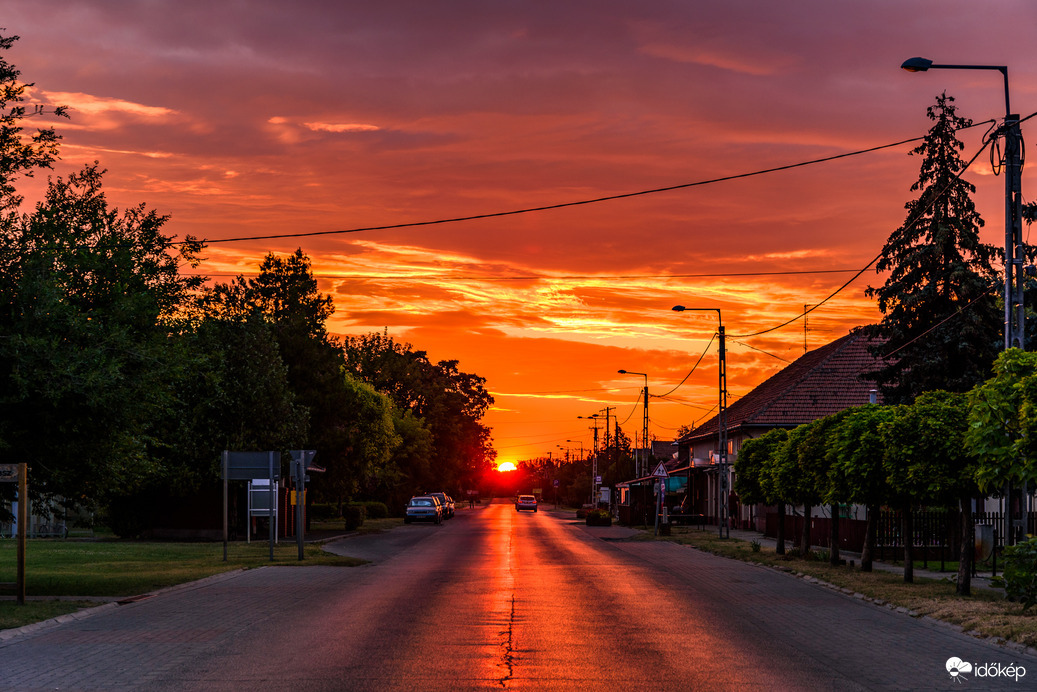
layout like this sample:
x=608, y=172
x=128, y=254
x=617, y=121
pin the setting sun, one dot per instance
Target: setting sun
x=506, y=466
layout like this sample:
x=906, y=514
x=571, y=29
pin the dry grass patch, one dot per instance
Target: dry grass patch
x=986, y=613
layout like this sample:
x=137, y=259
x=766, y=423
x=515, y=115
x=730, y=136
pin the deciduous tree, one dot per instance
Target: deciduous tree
x=856, y=450
x=927, y=463
x=754, y=475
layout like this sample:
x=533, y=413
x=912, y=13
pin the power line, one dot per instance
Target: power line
x=917, y=219
x=704, y=352
x=950, y=317
x=563, y=205
x=766, y=353
x=631, y=411
x=540, y=277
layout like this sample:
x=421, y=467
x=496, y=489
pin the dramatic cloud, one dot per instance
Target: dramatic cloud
x=269, y=118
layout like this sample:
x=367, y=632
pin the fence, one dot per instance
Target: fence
x=936, y=534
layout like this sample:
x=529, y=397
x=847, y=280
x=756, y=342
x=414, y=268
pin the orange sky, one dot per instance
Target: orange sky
x=264, y=117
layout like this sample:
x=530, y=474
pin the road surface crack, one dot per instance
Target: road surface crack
x=507, y=653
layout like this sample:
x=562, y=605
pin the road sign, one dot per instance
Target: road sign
x=245, y=466
x=660, y=472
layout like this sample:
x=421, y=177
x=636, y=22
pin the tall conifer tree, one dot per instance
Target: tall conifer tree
x=941, y=319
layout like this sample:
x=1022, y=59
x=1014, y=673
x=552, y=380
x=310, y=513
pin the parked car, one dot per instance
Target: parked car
x=526, y=502
x=447, y=502
x=424, y=508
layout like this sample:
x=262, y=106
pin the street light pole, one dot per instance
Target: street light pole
x=1015, y=251
x=1015, y=317
x=722, y=471
x=643, y=468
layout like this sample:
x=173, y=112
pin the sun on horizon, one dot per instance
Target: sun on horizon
x=506, y=466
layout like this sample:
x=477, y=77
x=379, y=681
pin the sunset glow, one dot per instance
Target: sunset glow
x=375, y=115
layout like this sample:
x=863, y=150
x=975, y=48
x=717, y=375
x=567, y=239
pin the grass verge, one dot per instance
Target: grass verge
x=56, y=568
x=369, y=525
x=985, y=613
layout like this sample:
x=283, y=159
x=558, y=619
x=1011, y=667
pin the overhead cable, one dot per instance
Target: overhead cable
x=563, y=205
x=704, y=352
x=917, y=219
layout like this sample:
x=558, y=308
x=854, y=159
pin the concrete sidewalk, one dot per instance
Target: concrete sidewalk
x=980, y=581
x=618, y=532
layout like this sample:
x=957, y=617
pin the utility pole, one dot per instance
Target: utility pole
x=722, y=472
x=725, y=529
x=644, y=436
x=594, y=470
x=805, y=328
x=608, y=410
x=594, y=462
x=1015, y=248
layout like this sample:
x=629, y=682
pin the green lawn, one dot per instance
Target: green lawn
x=129, y=568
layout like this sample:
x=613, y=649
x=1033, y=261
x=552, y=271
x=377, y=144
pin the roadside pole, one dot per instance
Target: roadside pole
x=23, y=521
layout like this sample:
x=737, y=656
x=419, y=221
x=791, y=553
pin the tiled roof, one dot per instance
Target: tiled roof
x=819, y=383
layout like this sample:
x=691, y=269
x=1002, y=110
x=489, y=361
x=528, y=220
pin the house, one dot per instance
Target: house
x=819, y=383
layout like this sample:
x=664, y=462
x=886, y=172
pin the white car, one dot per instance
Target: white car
x=424, y=508
x=526, y=502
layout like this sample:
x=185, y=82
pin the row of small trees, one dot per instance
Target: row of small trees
x=942, y=450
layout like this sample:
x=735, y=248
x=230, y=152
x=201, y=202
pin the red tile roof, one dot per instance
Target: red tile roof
x=819, y=383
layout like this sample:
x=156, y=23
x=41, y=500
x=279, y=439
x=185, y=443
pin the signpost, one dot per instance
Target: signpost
x=660, y=489
x=19, y=473
x=302, y=461
x=247, y=466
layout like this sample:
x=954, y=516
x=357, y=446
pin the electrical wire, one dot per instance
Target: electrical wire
x=918, y=218
x=711, y=339
x=538, y=277
x=766, y=353
x=563, y=205
x=631, y=411
x=950, y=317
x=670, y=400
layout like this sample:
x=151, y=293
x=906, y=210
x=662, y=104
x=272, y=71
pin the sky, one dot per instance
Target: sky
x=250, y=118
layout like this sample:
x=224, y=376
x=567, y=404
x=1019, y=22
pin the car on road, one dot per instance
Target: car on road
x=424, y=508
x=447, y=502
x=526, y=502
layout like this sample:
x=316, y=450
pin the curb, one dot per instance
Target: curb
x=116, y=602
x=1004, y=643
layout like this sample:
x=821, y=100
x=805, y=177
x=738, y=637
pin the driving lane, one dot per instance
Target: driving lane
x=500, y=600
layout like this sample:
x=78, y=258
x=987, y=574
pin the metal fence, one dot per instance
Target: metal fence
x=937, y=535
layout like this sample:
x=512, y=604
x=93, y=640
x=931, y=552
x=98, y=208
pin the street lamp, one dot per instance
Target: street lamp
x=1015, y=318
x=643, y=455
x=721, y=425
x=1015, y=252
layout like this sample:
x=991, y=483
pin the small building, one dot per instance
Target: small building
x=819, y=383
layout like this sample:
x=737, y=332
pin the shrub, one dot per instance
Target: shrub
x=755, y=545
x=354, y=516
x=1020, y=575
x=599, y=517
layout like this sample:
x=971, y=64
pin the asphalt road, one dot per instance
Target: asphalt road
x=497, y=600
